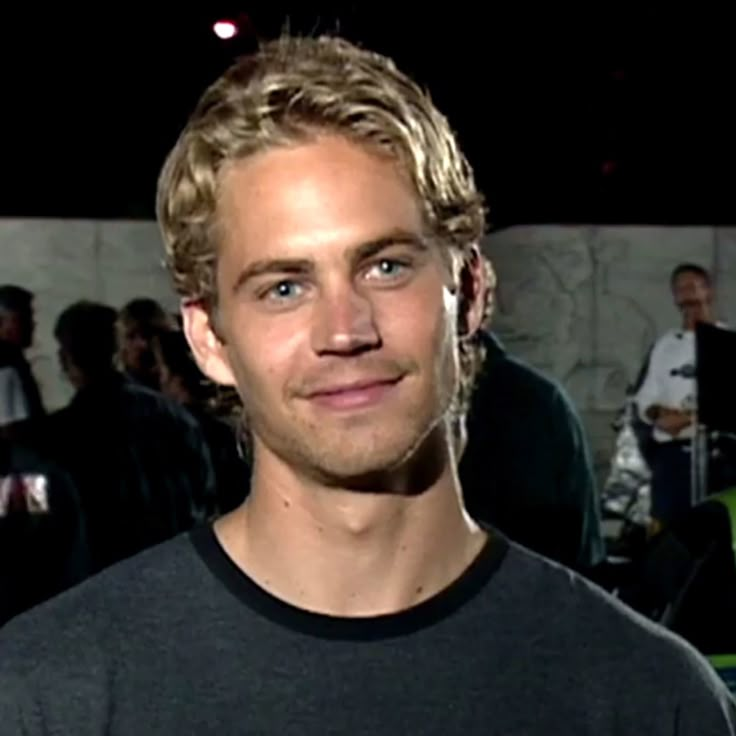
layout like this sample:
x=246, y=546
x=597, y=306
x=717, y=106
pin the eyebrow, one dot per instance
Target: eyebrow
x=273, y=266
x=396, y=237
x=303, y=266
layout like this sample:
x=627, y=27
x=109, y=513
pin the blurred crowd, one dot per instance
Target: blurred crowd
x=145, y=449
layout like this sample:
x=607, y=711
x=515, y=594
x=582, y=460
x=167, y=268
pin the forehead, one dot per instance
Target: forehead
x=689, y=278
x=133, y=328
x=16, y=313
x=313, y=194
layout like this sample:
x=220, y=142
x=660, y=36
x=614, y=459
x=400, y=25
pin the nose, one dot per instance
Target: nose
x=344, y=323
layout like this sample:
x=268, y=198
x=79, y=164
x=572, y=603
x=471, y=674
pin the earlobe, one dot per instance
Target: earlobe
x=207, y=348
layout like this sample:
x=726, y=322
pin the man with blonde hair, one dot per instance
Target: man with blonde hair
x=321, y=226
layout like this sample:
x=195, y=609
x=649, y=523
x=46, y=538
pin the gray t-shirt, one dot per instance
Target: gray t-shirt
x=179, y=641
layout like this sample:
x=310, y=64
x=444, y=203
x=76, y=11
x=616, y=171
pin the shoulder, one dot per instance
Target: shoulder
x=573, y=599
x=546, y=391
x=668, y=340
x=83, y=627
x=512, y=373
x=152, y=403
x=603, y=638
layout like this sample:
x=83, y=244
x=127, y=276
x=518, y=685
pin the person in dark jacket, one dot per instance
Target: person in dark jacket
x=43, y=543
x=183, y=382
x=527, y=468
x=140, y=461
x=20, y=398
x=138, y=323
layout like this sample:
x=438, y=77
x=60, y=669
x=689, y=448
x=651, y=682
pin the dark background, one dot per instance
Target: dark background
x=603, y=116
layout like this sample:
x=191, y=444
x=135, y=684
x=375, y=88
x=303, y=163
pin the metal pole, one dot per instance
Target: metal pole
x=699, y=465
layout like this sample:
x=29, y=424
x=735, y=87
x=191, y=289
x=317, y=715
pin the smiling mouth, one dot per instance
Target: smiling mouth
x=356, y=395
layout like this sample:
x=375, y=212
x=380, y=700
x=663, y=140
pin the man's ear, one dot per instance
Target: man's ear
x=208, y=349
x=473, y=288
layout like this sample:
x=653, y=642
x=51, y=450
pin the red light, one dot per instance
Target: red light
x=609, y=167
x=225, y=29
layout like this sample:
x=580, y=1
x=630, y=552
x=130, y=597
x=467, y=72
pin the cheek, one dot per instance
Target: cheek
x=264, y=357
x=422, y=320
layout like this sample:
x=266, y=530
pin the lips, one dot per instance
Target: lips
x=354, y=394
x=357, y=385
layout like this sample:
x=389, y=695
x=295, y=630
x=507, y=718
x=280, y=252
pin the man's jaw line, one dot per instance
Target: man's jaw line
x=409, y=474
x=351, y=508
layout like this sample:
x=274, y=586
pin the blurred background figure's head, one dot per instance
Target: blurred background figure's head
x=85, y=332
x=139, y=321
x=16, y=316
x=692, y=290
x=179, y=376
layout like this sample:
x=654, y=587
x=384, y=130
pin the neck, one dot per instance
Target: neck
x=688, y=325
x=689, y=322
x=82, y=380
x=177, y=391
x=345, y=552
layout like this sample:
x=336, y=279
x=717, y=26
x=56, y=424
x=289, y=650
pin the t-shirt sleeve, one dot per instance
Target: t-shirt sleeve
x=54, y=678
x=708, y=713
x=20, y=715
x=13, y=403
x=704, y=705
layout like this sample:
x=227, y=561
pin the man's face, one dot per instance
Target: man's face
x=168, y=382
x=17, y=327
x=337, y=316
x=136, y=350
x=165, y=376
x=693, y=297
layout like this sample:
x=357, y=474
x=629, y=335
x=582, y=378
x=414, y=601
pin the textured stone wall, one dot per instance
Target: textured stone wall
x=584, y=303
x=65, y=260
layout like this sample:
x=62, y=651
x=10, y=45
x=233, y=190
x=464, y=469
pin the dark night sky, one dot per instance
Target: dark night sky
x=609, y=116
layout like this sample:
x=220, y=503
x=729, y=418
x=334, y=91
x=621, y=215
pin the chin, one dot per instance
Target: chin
x=402, y=463
x=363, y=452
x=360, y=459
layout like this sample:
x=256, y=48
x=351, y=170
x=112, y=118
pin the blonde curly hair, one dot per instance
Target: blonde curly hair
x=287, y=92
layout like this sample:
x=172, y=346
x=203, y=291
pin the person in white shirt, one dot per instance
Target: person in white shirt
x=667, y=397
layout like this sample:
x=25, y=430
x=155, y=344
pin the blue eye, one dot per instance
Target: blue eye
x=387, y=268
x=284, y=290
